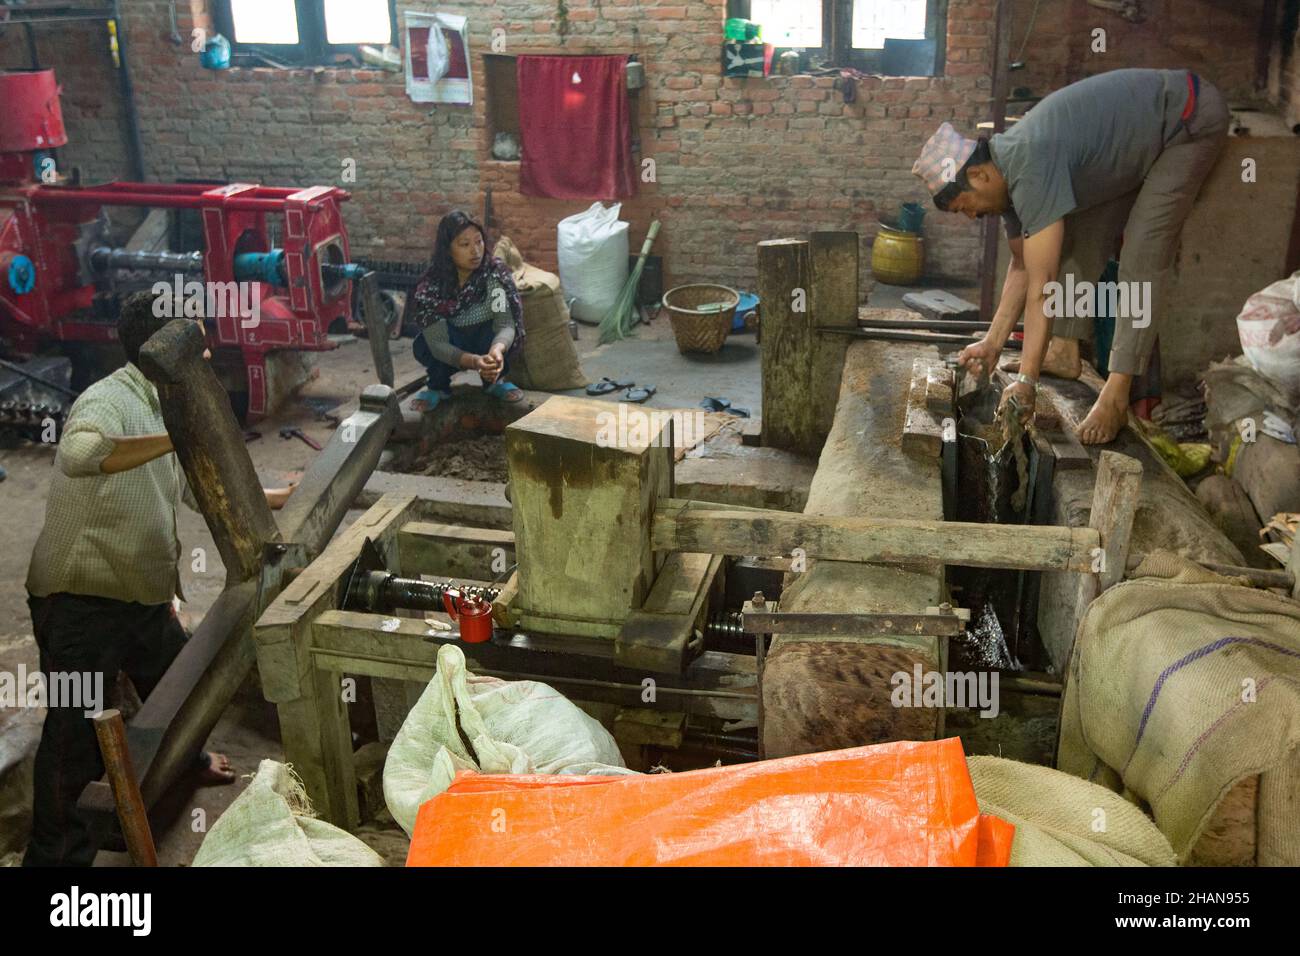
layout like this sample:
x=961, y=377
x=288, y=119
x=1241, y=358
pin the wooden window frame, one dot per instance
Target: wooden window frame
x=837, y=35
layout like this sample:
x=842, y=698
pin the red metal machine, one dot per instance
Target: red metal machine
x=61, y=282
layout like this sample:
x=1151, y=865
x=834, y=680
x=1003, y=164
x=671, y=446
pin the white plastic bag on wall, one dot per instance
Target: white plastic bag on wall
x=1275, y=307
x=510, y=726
x=593, y=250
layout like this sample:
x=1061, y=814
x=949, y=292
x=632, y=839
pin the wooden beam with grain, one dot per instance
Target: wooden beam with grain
x=789, y=343
x=701, y=527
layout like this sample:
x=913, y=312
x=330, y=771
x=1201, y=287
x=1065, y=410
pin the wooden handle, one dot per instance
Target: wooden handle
x=111, y=733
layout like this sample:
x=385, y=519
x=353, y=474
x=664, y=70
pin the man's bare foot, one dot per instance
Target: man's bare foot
x=1062, y=359
x=217, y=772
x=1109, y=414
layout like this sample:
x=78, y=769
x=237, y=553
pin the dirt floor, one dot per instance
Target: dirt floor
x=482, y=458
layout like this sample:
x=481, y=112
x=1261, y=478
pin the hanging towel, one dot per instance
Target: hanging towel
x=575, y=127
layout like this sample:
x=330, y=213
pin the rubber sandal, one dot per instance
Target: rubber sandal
x=638, y=395
x=607, y=385
x=505, y=391
x=430, y=397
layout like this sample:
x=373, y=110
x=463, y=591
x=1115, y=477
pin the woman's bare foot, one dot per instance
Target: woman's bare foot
x=1109, y=413
x=217, y=772
x=1062, y=359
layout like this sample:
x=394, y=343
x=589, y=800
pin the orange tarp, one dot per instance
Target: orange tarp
x=896, y=804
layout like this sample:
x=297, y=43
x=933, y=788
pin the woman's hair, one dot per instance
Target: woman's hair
x=443, y=269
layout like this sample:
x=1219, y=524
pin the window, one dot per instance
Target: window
x=897, y=19
x=789, y=23
x=304, y=32
x=853, y=32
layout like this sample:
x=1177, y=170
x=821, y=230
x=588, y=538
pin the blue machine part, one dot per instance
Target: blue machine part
x=216, y=55
x=22, y=274
x=265, y=267
x=351, y=271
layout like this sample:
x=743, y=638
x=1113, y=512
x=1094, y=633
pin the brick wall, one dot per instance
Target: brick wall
x=736, y=160
x=1217, y=38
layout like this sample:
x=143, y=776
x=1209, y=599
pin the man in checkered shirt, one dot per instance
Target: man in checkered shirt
x=102, y=579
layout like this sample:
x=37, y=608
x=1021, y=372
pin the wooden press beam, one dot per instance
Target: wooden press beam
x=784, y=280
x=834, y=259
x=1114, y=504
x=703, y=527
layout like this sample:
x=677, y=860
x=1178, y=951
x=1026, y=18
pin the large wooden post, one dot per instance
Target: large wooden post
x=784, y=284
x=804, y=285
x=834, y=305
x=585, y=477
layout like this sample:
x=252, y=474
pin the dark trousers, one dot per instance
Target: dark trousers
x=80, y=634
x=475, y=339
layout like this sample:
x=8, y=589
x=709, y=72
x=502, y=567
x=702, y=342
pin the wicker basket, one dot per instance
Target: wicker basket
x=701, y=329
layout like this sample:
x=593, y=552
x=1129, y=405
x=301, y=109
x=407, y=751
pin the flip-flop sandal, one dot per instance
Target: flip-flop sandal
x=607, y=385
x=638, y=395
x=716, y=404
x=429, y=397
x=512, y=394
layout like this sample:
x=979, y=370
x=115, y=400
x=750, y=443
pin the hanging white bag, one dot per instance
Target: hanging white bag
x=593, y=255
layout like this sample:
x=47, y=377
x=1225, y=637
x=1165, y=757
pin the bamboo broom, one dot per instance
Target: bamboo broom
x=618, y=321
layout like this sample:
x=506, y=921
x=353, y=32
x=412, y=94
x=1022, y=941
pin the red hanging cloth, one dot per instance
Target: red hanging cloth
x=575, y=127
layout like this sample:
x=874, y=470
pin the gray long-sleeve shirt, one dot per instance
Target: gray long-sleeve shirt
x=494, y=308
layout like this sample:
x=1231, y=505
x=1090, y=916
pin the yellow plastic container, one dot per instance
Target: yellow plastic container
x=897, y=258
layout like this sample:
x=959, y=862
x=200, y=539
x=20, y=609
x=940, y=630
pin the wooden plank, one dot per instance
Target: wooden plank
x=834, y=299
x=789, y=409
x=1114, y=505
x=942, y=306
x=922, y=428
x=692, y=526
x=656, y=636
x=715, y=685
x=454, y=551
x=313, y=718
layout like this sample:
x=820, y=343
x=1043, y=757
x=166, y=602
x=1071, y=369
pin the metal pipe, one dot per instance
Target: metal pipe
x=110, y=731
x=886, y=335
x=134, y=144
x=104, y=259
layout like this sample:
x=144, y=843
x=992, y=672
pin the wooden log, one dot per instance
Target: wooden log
x=821, y=692
x=702, y=527
x=834, y=300
x=789, y=344
x=210, y=446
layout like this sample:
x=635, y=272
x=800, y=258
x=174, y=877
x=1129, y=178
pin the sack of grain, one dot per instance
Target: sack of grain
x=1184, y=693
x=271, y=824
x=548, y=360
x=466, y=722
x=1061, y=820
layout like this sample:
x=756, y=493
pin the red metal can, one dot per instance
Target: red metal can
x=33, y=117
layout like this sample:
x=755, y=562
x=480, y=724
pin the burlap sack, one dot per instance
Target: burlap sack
x=1184, y=689
x=548, y=361
x=1061, y=820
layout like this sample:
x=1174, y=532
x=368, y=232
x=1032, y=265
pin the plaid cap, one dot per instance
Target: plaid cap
x=942, y=157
